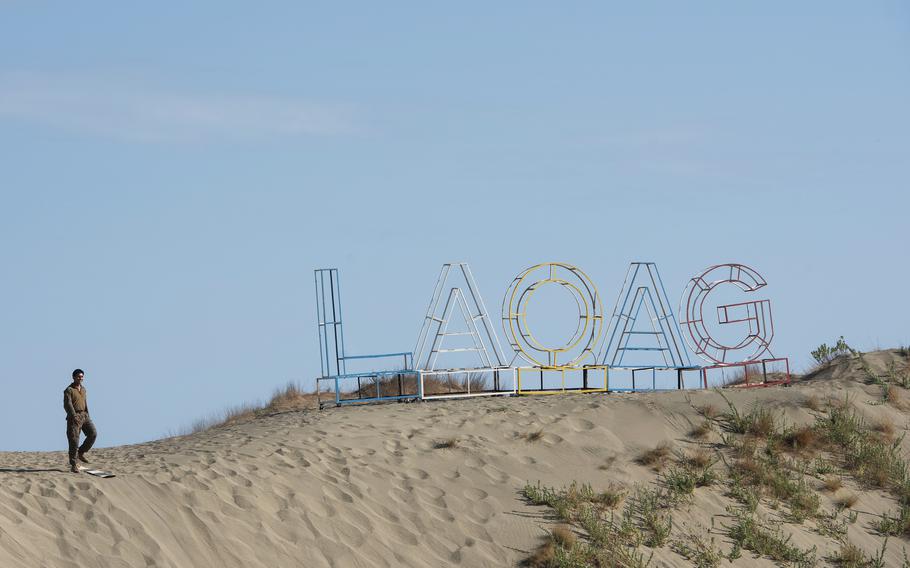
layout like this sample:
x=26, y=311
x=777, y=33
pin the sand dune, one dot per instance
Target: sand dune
x=379, y=486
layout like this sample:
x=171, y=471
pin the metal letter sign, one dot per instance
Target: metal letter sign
x=756, y=315
x=465, y=361
x=372, y=385
x=483, y=340
x=458, y=353
x=590, y=315
x=660, y=333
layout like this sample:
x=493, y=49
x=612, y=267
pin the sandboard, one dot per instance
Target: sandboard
x=98, y=473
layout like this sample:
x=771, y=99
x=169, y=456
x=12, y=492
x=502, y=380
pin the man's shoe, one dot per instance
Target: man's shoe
x=82, y=458
x=75, y=469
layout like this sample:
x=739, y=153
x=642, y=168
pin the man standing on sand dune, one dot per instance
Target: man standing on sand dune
x=78, y=420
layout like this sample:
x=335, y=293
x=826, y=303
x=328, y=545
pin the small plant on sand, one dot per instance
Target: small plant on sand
x=563, y=536
x=765, y=473
x=832, y=525
x=609, y=541
x=899, y=376
x=800, y=439
x=748, y=533
x=560, y=549
x=651, y=509
x=534, y=436
x=700, y=459
x=867, y=453
x=448, y=444
x=694, y=548
x=542, y=557
x=885, y=429
x=679, y=481
x=823, y=466
x=701, y=430
x=709, y=411
x=825, y=354
x=812, y=402
x=746, y=494
x=847, y=501
x=896, y=525
x=832, y=484
x=610, y=497
x=892, y=395
x=759, y=421
x=656, y=458
x=851, y=556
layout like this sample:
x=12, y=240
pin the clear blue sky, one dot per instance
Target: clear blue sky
x=170, y=175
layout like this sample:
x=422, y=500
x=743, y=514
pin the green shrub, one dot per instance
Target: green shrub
x=748, y=533
x=825, y=354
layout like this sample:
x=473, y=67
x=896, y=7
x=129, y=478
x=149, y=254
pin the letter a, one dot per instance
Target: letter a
x=632, y=340
x=476, y=336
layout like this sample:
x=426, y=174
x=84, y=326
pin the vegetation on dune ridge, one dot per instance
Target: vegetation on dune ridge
x=774, y=473
x=291, y=397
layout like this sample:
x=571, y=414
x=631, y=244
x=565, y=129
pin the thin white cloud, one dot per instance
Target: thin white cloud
x=131, y=111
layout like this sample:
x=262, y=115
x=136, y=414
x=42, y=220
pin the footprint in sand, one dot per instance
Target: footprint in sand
x=581, y=425
x=475, y=494
x=337, y=494
x=474, y=462
x=416, y=474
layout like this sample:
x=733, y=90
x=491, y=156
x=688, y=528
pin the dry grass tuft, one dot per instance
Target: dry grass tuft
x=702, y=430
x=709, y=411
x=894, y=397
x=763, y=424
x=291, y=397
x=700, y=458
x=850, y=556
x=657, y=457
x=801, y=439
x=610, y=497
x=847, y=501
x=456, y=383
x=534, y=436
x=838, y=403
x=832, y=484
x=543, y=556
x=286, y=399
x=564, y=537
x=812, y=402
x=885, y=428
x=449, y=444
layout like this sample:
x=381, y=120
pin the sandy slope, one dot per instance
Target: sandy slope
x=368, y=487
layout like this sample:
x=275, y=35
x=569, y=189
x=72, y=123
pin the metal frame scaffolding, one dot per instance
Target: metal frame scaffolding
x=334, y=360
x=541, y=388
x=768, y=377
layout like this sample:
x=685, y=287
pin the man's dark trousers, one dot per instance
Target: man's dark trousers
x=80, y=422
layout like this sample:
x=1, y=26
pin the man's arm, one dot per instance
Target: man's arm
x=68, y=404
